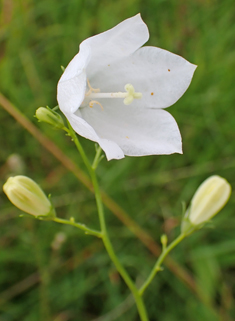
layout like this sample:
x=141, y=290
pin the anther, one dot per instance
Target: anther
x=91, y=89
x=92, y=102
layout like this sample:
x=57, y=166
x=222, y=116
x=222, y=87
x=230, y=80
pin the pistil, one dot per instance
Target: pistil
x=128, y=96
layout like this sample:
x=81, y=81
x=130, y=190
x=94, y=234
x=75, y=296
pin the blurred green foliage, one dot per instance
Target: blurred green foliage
x=68, y=276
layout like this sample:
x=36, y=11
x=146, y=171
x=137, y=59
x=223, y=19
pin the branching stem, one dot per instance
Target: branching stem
x=104, y=233
x=157, y=266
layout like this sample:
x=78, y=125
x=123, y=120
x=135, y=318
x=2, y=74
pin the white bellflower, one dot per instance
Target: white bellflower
x=113, y=92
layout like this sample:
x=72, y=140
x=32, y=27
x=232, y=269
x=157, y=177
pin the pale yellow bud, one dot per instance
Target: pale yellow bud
x=49, y=116
x=25, y=194
x=209, y=199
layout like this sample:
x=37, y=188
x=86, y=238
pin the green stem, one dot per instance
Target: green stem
x=157, y=266
x=112, y=255
x=78, y=225
x=73, y=135
x=97, y=158
x=104, y=233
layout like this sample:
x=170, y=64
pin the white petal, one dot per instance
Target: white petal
x=94, y=54
x=161, y=76
x=111, y=149
x=72, y=84
x=137, y=131
x=118, y=42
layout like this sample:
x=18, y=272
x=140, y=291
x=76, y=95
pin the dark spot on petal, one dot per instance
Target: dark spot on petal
x=152, y=94
x=169, y=70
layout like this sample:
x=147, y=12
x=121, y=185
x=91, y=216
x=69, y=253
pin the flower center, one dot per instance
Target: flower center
x=128, y=96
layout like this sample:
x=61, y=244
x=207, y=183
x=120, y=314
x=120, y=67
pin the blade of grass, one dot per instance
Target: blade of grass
x=70, y=264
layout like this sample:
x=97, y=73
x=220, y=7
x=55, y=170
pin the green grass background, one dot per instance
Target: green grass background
x=76, y=281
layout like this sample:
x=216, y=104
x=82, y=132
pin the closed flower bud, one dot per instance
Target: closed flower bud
x=49, y=116
x=209, y=199
x=25, y=194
